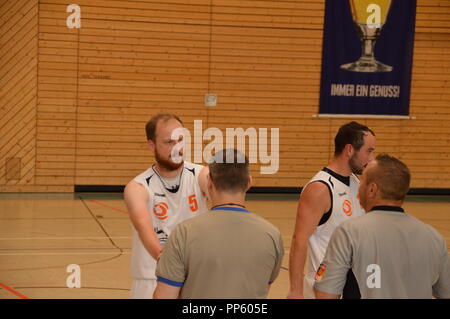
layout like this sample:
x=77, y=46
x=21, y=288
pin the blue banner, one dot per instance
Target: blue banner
x=367, y=57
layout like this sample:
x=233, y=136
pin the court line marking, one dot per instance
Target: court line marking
x=18, y=294
x=64, y=287
x=27, y=249
x=107, y=206
x=99, y=223
x=64, y=265
x=58, y=238
x=63, y=254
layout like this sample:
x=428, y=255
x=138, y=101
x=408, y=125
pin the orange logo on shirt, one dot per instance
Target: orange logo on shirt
x=347, y=207
x=320, y=272
x=160, y=210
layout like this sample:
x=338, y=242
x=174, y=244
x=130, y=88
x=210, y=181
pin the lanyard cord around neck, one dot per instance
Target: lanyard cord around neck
x=229, y=204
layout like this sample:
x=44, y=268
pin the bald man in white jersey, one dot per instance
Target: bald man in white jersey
x=159, y=199
x=326, y=201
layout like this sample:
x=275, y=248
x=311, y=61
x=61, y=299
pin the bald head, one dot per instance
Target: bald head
x=391, y=176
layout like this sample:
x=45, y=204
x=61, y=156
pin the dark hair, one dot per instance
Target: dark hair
x=351, y=133
x=392, y=177
x=229, y=171
x=150, y=127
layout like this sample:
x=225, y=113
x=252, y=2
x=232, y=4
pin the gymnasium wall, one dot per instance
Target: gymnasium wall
x=18, y=93
x=74, y=102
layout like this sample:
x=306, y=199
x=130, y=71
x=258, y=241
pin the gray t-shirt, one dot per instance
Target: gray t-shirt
x=392, y=255
x=226, y=253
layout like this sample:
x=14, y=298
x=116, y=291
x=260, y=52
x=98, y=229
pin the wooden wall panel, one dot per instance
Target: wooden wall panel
x=75, y=101
x=18, y=94
x=57, y=105
x=134, y=62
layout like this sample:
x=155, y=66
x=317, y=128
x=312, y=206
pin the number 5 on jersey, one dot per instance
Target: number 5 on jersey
x=193, y=203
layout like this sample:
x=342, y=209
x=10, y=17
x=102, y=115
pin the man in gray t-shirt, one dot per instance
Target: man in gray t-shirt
x=392, y=254
x=226, y=253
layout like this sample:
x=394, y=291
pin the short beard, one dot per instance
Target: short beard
x=353, y=166
x=168, y=164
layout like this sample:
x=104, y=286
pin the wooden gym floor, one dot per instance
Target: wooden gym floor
x=41, y=234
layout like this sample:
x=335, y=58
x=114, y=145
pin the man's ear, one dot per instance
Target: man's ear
x=349, y=150
x=373, y=189
x=250, y=182
x=208, y=180
x=209, y=186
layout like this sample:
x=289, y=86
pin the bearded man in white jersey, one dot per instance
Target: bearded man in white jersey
x=169, y=192
x=327, y=200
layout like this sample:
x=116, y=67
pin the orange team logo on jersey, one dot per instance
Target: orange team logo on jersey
x=320, y=272
x=160, y=210
x=347, y=207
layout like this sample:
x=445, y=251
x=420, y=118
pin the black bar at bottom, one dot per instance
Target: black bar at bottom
x=201, y=309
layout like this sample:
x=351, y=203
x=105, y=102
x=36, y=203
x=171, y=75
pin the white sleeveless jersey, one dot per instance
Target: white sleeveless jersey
x=167, y=207
x=345, y=205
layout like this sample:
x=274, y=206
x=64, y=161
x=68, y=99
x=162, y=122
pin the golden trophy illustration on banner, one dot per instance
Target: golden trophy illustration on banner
x=369, y=17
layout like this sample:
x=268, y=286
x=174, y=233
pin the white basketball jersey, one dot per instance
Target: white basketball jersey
x=168, y=207
x=345, y=205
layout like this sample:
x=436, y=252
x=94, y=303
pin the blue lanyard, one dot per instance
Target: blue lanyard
x=234, y=209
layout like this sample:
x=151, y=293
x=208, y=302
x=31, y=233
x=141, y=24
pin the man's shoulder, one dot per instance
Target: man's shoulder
x=212, y=216
x=142, y=179
x=192, y=170
x=320, y=175
x=354, y=178
x=189, y=165
x=197, y=220
x=320, y=179
x=358, y=223
x=374, y=218
x=145, y=175
x=265, y=224
x=426, y=228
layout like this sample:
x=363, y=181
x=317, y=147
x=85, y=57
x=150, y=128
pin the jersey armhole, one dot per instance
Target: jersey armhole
x=327, y=215
x=198, y=170
x=146, y=188
x=142, y=183
x=197, y=175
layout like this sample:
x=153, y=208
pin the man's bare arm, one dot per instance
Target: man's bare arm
x=165, y=291
x=324, y=295
x=314, y=202
x=136, y=199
